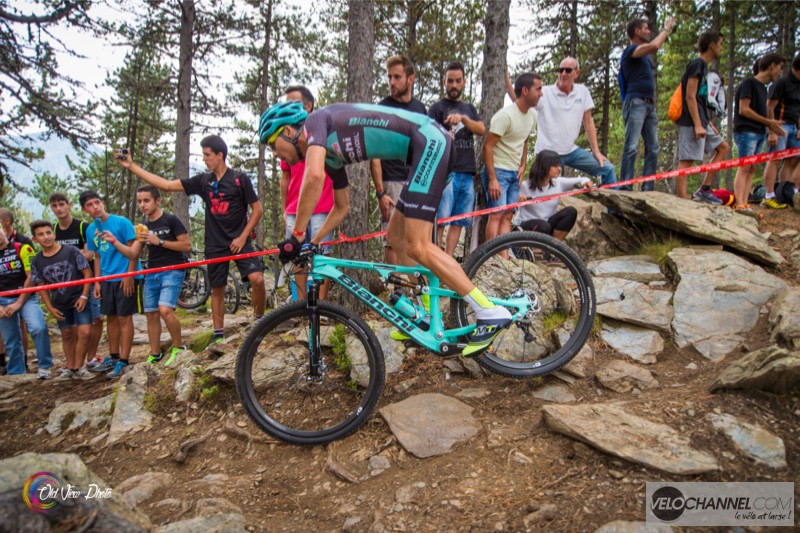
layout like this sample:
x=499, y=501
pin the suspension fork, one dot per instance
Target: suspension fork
x=314, y=346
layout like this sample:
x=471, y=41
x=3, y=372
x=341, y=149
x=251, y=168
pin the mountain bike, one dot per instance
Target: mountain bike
x=311, y=372
x=196, y=289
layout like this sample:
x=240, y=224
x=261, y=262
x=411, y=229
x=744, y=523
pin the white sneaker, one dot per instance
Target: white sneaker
x=63, y=370
x=94, y=362
x=44, y=373
x=82, y=373
x=63, y=376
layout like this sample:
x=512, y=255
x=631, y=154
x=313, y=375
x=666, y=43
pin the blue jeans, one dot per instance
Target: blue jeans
x=641, y=120
x=458, y=198
x=162, y=289
x=749, y=143
x=9, y=328
x=509, y=187
x=789, y=140
x=583, y=160
x=314, y=225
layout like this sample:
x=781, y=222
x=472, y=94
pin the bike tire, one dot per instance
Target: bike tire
x=195, y=289
x=233, y=294
x=272, y=375
x=542, y=266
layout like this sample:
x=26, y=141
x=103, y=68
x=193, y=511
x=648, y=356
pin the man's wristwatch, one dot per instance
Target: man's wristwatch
x=380, y=194
x=161, y=242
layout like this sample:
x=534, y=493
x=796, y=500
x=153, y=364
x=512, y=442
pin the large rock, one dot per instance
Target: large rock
x=621, y=376
x=754, y=441
x=430, y=424
x=641, y=268
x=639, y=344
x=717, y=224
x=74, y=415
x=113, y=513
x=129, y=414
x=218, y=523
x=141, y=487
x=608, y=427
x=587, y=238
x=770, y=369
x=625, y=526
x=718, y=299
x=612, y=289
x=784, y=318
x=641, y=306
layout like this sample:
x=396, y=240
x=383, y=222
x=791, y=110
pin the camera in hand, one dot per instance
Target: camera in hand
x=122, y=153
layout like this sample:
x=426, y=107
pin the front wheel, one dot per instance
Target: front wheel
x=553, y=277
x=302, y=399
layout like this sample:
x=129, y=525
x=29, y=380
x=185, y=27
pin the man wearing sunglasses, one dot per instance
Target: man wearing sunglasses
x=343, y=134
x=226, y=194
x=563, y=109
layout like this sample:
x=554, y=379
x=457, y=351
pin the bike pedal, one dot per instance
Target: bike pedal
x=452, y=348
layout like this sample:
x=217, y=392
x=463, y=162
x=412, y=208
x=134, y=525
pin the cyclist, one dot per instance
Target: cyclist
x=342, y=134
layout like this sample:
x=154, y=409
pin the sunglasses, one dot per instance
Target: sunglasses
x=568, y=70
x=292, y=140
x=215, y=187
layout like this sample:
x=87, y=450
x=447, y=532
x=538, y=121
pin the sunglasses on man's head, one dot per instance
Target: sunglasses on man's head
x=568, y=70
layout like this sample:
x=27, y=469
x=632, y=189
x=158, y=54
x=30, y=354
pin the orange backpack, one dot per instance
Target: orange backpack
x=676, y=104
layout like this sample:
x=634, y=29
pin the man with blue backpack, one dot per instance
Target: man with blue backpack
x=638, y=92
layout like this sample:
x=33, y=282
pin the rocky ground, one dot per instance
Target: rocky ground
x=690, y=378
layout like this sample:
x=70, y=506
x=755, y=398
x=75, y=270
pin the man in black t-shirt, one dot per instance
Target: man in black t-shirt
x=71, y=231
x=750, y=124
x=167, y=242
x=226, y=194
x=783, y=104
x=462, y=121
x=390, y=176
x=697, y=135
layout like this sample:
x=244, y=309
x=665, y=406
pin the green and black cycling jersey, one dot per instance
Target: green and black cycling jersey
x=351, y=133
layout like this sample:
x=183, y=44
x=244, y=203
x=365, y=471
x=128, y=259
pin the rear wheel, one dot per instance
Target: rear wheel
x=233, y=294
x=195, y=289
x=290, y=401
x=555, y=279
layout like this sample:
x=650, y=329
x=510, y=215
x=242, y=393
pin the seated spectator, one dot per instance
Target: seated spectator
x=57, y=263
x=15, y=273
x=544, y=180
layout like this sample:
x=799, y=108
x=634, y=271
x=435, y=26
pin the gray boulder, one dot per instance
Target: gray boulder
x=621, y=376
x=218, y=523
x=607, y=289
x=141, y=487
x=95, y=413
x=129, y=414
x=771, y=369
x=641, y=306
x=113, y=512
x=609, y=428
x=784, y=318
x=430, y=424
x=626, y=526
x=641, y=268
x=718, y=299
x=640, y=344
x=754, y=441
x=717, y=224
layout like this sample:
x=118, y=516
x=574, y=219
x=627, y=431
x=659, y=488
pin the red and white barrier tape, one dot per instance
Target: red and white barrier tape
x=731, y=163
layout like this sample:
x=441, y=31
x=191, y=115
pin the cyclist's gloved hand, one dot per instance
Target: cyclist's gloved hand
x=288, y=249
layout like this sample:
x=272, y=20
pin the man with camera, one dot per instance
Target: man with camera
x=226, y=193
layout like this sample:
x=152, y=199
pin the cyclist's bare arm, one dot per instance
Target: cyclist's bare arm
x=311, y=188
x=153, y=179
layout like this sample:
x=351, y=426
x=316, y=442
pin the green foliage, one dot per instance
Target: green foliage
x=160, y=399
x=201, y=341
x=659, y=250
x=338, y=342
x=205, y=389
x=552, y=321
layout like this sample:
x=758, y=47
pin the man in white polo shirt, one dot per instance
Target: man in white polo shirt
x=505, y=151
x=562, y=109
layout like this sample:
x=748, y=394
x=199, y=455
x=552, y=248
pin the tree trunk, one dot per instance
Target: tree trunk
x=264, y=97
x=606, y=104
x=573, y=29
x=360, y=51
x=730, y=88
x=183, y=126
x=493, y=87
